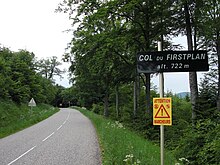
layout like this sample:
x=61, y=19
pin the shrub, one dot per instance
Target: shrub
x=200, y=144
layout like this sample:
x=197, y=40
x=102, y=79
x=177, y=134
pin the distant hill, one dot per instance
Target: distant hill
x=183, y=94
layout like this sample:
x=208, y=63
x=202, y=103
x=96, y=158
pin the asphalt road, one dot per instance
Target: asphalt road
x=66, y=138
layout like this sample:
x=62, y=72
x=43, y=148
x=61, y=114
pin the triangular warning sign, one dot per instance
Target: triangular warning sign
x=162, y=113
x=32, y=103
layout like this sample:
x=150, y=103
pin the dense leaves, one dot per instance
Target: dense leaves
x=20, y=81
x=200, y=145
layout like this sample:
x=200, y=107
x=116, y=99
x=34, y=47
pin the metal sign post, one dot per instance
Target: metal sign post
x=161, y=87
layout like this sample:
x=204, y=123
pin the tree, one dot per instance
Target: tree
x=185, y=16
x=209, y=29
x=192, y=75
x=5, y=71
x=19, y=81
x=49, y=68
x=115, y=31
x=21, y=75
x=95, y=42
x=208, y=91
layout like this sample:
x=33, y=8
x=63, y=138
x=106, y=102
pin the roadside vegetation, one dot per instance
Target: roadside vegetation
x=184, y=142
x=121, y=146
x=15, y=117
x=23, y=77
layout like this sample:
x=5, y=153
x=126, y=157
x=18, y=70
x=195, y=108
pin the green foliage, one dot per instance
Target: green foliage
x=181, y=115
x=108, y=35
x=19, y=80
x=98, y=109
x=200, y=144
x=209, y=27
x=125, y=95
x=19, y=73
x=65, y=97
x=14, y=117
x=209, y=85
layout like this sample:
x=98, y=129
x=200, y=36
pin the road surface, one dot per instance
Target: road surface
x=66, y=138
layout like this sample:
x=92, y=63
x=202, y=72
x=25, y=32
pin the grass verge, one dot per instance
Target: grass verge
x=121, y=146
x=14, y=117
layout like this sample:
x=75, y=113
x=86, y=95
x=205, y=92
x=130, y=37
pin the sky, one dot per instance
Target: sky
x=34, y=26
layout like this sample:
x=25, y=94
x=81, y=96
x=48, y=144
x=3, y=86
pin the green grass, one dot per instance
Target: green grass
x=121, y=146
x=14, y=117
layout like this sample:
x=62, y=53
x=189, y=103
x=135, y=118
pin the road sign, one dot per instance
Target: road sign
x=32, y=103
x=162, y=111
x=172, y=61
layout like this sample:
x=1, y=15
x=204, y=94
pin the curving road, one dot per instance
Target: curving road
x=66, y=138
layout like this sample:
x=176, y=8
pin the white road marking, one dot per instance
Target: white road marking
x=42, y=140
x=66, y=119
x=21, y=155
x=68, y=116
x=48, y=137
x=59, y=127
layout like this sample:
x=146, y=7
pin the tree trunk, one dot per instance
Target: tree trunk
x=135, y=97
x=147, y=91
x=138, y=91
x=192, y=75
x=136, y=94
x=106, y=110
x=218, y=54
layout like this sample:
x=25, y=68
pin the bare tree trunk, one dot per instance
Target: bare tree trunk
x=138, y=91
x=218, y=54
x=192, y=75
x=147, y=91
x=135, y=97
x=136, y=94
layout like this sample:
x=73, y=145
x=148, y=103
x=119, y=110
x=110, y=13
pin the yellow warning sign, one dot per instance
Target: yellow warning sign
x=162, y=111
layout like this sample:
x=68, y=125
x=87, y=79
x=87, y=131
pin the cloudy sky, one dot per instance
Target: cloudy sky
x=33, y=25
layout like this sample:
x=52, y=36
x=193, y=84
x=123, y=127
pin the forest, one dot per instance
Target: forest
x=23, y=76
x=107, y=34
